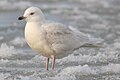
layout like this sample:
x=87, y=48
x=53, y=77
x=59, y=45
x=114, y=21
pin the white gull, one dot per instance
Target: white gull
x=51, y=39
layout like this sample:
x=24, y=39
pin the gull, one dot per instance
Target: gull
x=53, y=40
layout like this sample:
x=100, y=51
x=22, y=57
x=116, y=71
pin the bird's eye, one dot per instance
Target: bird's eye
x=31, y=13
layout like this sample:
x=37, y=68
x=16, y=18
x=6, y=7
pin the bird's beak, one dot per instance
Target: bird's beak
x=21, y=18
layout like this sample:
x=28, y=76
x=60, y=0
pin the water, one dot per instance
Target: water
x=99, y=18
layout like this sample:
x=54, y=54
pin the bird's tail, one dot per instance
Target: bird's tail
x=95, y=42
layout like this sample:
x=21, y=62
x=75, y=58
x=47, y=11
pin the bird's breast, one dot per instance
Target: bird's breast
x=35, y=38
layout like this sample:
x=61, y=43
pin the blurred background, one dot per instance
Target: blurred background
x=99, y=18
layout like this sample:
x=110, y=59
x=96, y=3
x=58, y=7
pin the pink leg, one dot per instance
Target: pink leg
x=53, y=62
x=47, y=62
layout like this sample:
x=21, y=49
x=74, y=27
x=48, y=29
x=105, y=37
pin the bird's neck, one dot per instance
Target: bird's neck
x=35, y=22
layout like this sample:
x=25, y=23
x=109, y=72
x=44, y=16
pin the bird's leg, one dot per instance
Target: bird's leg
x=53, y=62
x=47, y=63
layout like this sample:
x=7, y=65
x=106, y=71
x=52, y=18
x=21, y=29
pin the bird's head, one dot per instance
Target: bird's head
x=32, y=14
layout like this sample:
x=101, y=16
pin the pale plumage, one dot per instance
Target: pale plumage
x=51, y=39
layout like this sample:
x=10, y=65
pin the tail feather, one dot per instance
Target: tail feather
x=95, y=42
x=92, y=45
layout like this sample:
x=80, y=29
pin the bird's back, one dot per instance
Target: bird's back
x=63, y=40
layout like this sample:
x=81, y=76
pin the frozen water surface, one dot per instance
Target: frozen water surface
x=99, y=18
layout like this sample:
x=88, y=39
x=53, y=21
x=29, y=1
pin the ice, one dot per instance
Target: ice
x=7, y=51
x=117, y=45
x=68, y=73
x=111, y=68
x=4, y=60
x=87, y=1
x=38, y=59
x=14, y=5
x=4, y=76
x=1, y=37
x=8, y=76
x=30, y=78
x=21, y=5
x=18, y=41
x=62, y=78
x=77, y=70
x=99, y=18
x=106, y=55
x=100, y=27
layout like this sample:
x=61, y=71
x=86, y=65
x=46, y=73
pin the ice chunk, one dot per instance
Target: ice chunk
x=1, y=37
x=38, y=59
x=111, y=68
x=18, y=41
x=14, y=4
x=30, y=78
x=4, y=76
x=7, y=51
x=77, y=70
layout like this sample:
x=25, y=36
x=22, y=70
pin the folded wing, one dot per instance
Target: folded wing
x=64, y=39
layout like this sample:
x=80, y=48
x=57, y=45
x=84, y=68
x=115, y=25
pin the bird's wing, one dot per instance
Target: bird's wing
x=62, y=37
